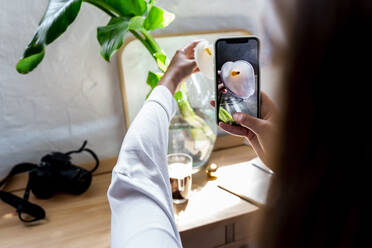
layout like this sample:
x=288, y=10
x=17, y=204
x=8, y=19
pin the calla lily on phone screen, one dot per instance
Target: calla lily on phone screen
x=238, y=77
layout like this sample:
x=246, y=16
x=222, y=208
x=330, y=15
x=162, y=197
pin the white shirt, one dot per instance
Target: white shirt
x=140, y=194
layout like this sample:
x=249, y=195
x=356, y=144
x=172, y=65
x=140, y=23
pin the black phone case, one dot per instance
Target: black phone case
x=238, y=40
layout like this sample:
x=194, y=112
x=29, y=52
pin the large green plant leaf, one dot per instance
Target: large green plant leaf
x=157, y=18
x=57, y=17
x=137, y=7
x=125, y=8
x=111, y=36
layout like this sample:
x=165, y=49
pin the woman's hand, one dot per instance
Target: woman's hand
x=259, y=132
x=181, y=67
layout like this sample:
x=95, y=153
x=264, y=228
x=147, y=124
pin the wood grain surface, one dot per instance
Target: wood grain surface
x=84, y=220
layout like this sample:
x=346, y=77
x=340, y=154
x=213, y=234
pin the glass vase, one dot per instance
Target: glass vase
x=186, y=138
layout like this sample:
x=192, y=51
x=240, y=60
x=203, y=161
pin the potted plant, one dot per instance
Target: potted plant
x=138, y=17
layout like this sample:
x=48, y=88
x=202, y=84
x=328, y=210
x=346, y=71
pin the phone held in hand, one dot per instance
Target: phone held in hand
x=237, y=77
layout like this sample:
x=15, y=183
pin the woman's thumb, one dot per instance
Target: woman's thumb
x=248, y=121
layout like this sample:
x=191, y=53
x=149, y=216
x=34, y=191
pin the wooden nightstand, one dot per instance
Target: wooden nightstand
x=212, y=217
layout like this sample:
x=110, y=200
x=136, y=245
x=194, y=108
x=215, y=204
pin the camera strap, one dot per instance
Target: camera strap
x=22, y=205
x=82, y=149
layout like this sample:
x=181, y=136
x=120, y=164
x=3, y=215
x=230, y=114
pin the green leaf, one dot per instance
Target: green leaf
x=137, y=7
x=136, y=23
x=153, y=80
x=32, y=56
x=57, y=17
x=125, y=8
x=111, y=36
x=157, y=18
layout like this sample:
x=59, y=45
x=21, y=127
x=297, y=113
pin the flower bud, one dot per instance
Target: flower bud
x=204, y=56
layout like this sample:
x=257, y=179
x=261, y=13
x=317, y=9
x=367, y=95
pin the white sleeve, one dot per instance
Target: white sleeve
x=140, y=195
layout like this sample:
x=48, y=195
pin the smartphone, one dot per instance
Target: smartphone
x=237, y=77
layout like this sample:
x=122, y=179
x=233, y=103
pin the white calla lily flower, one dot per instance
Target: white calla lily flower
x=204, y=56
x=239, y=78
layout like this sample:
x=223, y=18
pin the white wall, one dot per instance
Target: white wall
x=74, y=94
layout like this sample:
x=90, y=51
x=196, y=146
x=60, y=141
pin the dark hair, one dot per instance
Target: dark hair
x=319, y=195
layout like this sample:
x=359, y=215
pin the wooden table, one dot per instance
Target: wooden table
x=211, y=218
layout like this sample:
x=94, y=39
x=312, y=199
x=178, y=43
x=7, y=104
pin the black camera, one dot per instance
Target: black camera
x=54, y=174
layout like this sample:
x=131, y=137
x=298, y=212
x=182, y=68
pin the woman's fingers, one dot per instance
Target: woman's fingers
x=234, y=130
x=189, y=66
x=245, y=120
x=196, y=69
x=244, y=132
x=189, y=49
x=248, y=121
x=221, y=88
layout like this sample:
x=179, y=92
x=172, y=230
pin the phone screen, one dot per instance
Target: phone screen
x=237, y=77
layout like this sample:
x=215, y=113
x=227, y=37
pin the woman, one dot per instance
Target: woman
x=139, y=194
x=319, y=148
x=319, y=195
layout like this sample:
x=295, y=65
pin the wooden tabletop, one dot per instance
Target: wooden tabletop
x=84, y=220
